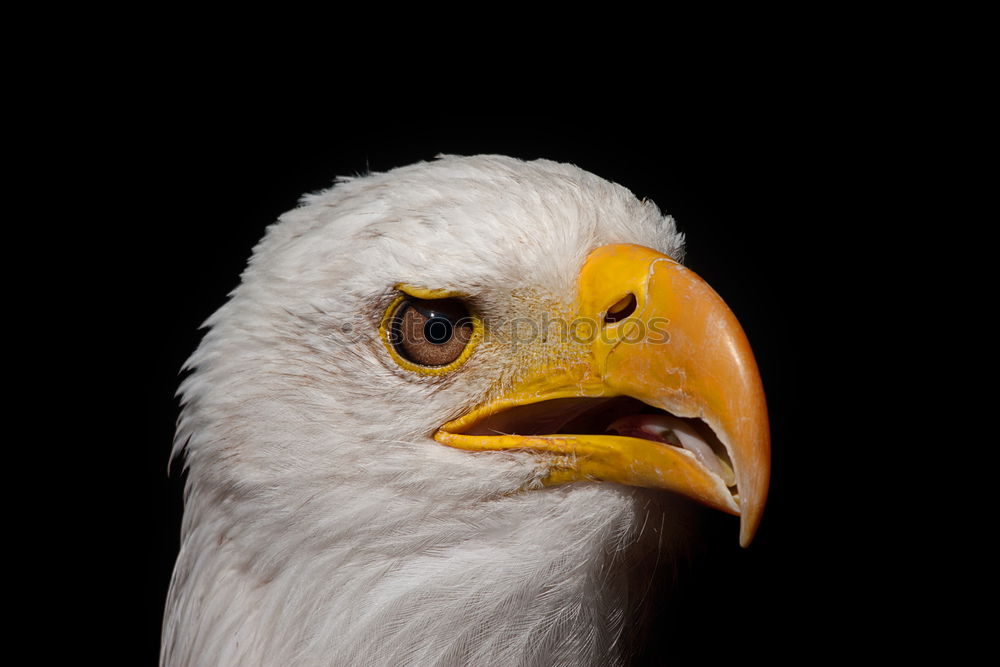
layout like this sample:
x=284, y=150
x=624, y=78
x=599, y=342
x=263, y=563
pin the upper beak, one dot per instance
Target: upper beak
x=657, y=333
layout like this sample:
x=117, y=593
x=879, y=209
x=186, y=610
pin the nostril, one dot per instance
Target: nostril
x=620, y=310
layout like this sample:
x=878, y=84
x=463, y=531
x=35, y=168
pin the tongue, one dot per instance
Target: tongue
x=673, y=431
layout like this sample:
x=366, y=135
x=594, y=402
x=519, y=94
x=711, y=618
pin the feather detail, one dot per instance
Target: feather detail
x=322, y=523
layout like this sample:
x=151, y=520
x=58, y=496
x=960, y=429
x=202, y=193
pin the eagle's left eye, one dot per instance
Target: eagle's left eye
x=429, y=335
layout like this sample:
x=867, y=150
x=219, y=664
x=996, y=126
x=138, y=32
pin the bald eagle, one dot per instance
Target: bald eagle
x=442, y=420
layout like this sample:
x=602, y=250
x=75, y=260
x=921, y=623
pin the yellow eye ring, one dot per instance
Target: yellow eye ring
x=411, y=292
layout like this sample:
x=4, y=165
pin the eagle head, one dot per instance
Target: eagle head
x=443, y=418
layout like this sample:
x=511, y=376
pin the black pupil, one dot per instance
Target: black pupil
x=438, y=329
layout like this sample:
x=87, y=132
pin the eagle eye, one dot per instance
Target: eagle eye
x=429, y=333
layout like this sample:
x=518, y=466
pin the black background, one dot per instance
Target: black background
x=776, y=208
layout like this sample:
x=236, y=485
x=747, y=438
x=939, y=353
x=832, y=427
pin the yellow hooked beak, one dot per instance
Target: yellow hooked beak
x=650, y=345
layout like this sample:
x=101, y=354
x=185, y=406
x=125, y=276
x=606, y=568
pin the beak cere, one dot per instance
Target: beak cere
x=662, y=391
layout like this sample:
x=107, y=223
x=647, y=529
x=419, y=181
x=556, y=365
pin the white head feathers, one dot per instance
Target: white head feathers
x=322, y=523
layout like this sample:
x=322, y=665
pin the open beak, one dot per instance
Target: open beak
x=654, y=385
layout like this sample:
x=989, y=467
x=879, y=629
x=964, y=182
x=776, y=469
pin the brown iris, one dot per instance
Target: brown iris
x=430, y=332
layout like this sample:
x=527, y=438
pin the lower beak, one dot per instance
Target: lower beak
x=652, y=330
